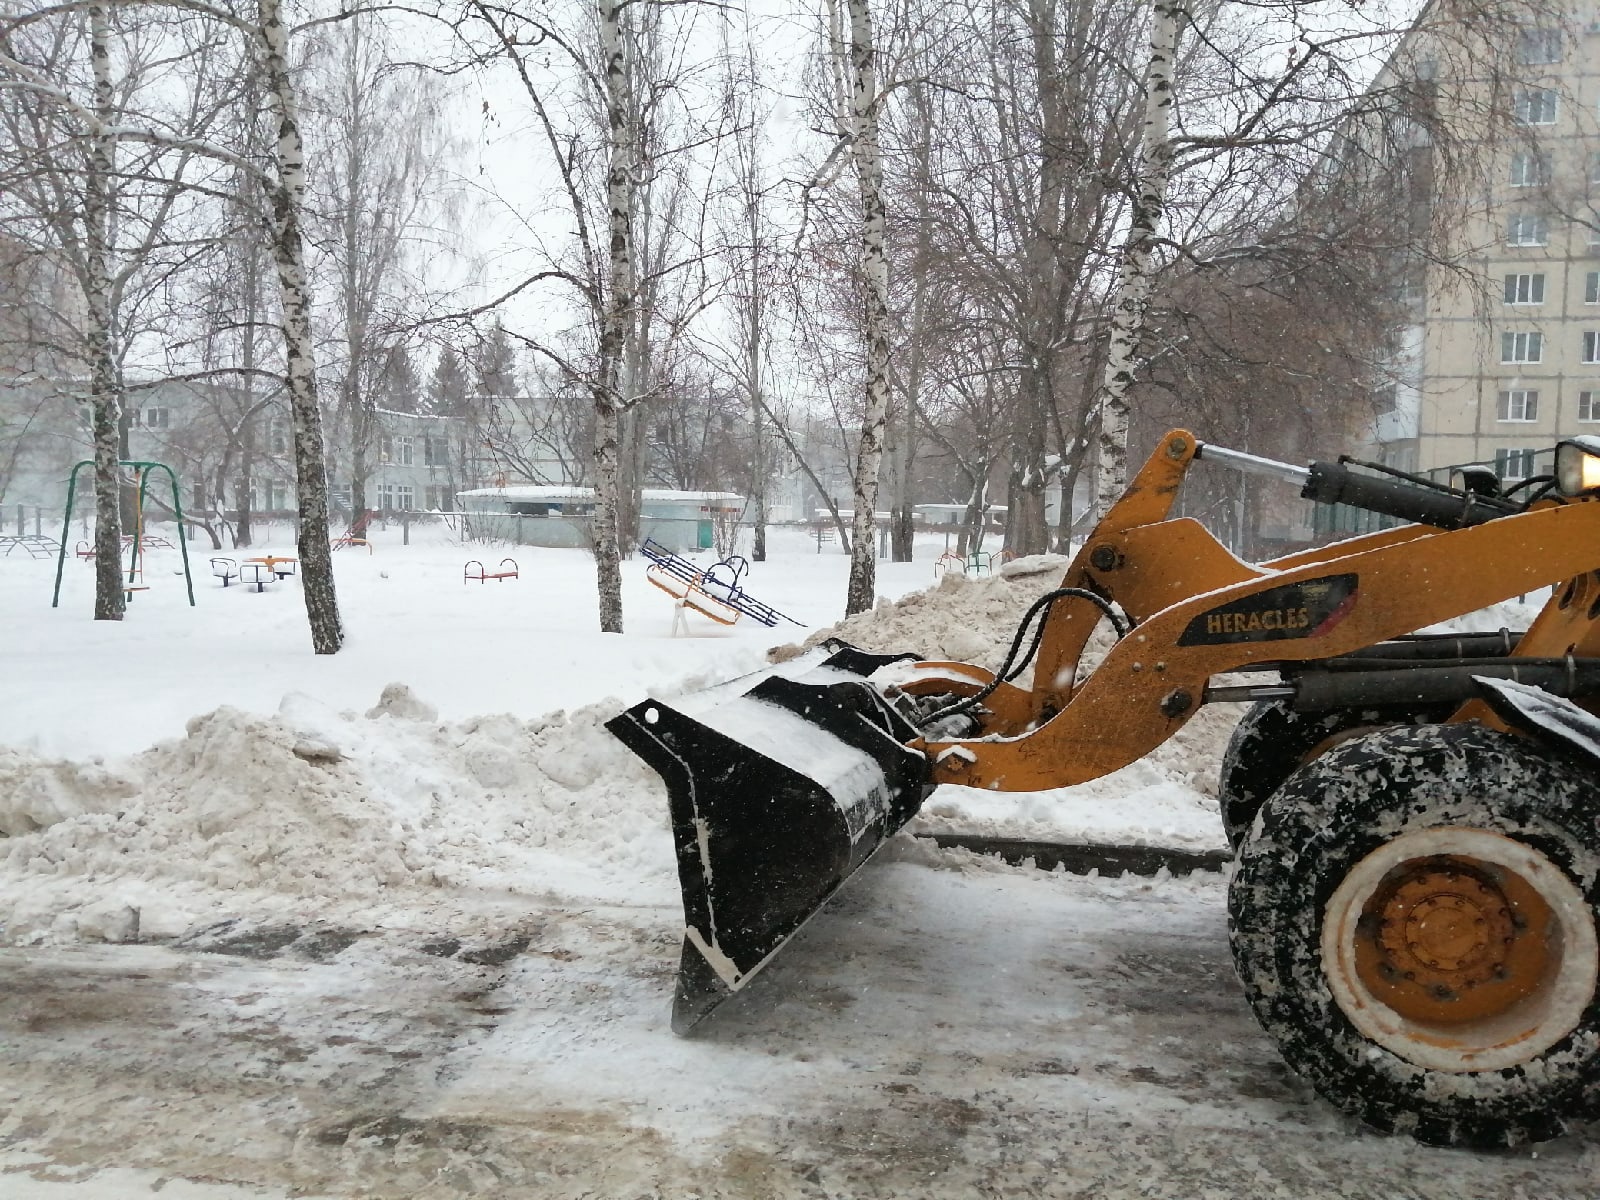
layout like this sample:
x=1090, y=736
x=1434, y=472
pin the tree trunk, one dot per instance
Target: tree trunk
x=760, y=464
x=243, y=536
x=615, y=315
x=1136, y=279
x=862, y=592
x=286, y=196
x=104, y=394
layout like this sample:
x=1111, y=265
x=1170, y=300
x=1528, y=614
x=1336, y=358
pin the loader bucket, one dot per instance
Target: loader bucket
x=778, y=793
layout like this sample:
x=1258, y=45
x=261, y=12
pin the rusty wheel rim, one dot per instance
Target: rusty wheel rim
x=1460, y=949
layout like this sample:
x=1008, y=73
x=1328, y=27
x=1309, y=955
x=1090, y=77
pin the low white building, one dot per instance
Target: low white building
x=559, y=515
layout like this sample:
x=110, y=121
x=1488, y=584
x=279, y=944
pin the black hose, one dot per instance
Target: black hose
x=1007, y=671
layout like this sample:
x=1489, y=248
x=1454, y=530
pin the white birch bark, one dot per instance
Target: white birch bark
x=1136, y=279
x=105, y=399
x=286, y=200
x=616, y=314
x=753, y=371
x=862, y=590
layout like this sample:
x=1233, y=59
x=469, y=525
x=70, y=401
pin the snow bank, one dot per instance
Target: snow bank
x=959, y=619
x=333, y=815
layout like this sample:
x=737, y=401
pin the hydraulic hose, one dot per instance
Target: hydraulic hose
x=1008, y=671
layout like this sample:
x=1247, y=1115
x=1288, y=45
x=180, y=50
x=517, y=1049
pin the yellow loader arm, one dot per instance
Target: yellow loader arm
x=1201, y=612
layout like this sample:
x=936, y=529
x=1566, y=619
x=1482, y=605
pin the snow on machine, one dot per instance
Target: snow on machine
x=1416, y=817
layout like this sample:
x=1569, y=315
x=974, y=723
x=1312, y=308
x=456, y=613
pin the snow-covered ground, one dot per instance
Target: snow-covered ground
x=404, y=921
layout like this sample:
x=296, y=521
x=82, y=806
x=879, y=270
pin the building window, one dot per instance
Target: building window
x=385, y=448
x=1524, y=289
x=1539, y=47
x=386, y=497
x=1534, y=106
x=406, y=452
x=405, y=497
x=1528, y=229
x=1591, y=288
x=156, y=418
x=1589, y=406
x=277, y=436
x=1591, y=346
x=434, y=452
x=1521, y=347
x=1513, y=464
x=1529, y=170
x=1518, y=404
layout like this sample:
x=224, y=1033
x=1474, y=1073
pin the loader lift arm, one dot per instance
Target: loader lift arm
x=1202, y=612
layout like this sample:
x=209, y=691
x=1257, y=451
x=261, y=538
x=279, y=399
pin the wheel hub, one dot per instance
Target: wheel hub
x=1460, y=949
x=1452, y=939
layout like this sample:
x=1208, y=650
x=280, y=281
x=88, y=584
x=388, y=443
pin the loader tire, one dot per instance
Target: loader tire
x=1413, y=922
x=1272, y=741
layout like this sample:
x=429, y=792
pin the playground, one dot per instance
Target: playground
x=527, y=645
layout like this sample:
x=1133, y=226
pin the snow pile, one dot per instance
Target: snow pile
x=35, y=793
x=336, y=814
x=959, y=619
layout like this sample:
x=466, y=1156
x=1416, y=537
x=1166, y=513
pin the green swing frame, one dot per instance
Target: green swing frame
x=144, y=469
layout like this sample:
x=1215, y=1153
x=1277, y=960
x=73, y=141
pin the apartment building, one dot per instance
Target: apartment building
x=1504, y=357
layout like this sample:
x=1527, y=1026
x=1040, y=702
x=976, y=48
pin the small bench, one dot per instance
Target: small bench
x=507, y=570
x=225, y=569
x=257, y=574
x=84, y=551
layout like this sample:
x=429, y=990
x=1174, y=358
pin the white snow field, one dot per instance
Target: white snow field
x=404, y=922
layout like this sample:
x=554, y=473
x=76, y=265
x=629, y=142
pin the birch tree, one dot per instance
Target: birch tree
x=1136, y=277
x=599, y=122
x=105, y=212
x=385, y=169
x=285, y=190
x=866, y=155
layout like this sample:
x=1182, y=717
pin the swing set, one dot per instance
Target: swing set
x=136, y=542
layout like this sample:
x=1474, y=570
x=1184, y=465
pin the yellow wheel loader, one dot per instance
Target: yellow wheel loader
x=1416, y=818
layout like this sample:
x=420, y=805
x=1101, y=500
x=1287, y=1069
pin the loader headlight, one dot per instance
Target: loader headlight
x=1578, y=465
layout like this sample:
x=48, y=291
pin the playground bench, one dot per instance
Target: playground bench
x=281, y=565
x=84, y=551
x=507, y=570
x=257, y=573
x=225, y=569
x=344, y=540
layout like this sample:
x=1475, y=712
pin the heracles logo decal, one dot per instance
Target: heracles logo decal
x=1306, y=609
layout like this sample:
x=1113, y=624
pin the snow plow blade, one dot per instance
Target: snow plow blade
x=778, y=794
